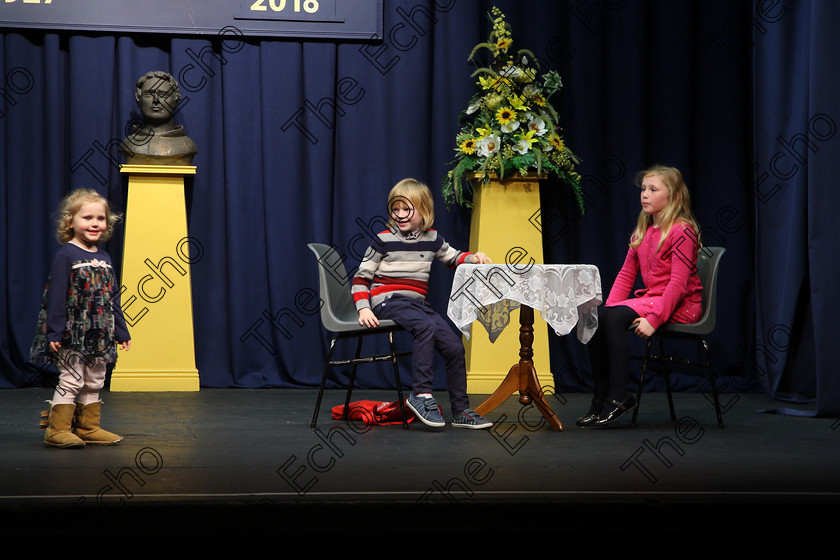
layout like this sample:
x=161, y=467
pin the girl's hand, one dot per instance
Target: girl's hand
x=55, y=346
x=367, y=318
x=480, y=258
x=643, y=328
x=125, y=345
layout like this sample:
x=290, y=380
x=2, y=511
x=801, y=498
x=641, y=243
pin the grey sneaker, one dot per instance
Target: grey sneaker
x=470, y=419
x=426, y=409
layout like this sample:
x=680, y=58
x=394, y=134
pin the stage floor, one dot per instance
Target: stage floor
x=248, y=462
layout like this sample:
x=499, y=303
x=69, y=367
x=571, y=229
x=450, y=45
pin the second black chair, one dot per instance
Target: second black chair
x=708, y=261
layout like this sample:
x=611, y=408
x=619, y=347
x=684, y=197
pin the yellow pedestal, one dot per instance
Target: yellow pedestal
x=157, y=293
x=502, y=228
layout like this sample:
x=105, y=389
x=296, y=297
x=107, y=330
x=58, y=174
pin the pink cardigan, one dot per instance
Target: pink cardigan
x=672, y=289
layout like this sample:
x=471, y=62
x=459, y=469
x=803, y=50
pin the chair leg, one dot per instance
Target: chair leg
x=397, y=380
x=713, y=378
x=641, y=381
x=323, y=383
x=667, y=380
x=352, y=380
x=663, y=359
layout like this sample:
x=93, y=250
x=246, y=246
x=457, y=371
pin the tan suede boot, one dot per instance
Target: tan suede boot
x=58, y=422
x=87, y=425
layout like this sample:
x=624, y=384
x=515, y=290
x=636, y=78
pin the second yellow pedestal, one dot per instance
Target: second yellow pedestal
x=503, y=228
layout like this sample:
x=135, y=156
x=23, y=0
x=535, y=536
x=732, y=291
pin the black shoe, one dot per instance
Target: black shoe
x=592, y=415
x=587, y=419
x=619, y=410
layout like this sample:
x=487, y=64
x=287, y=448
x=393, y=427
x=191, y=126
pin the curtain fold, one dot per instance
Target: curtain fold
x=796, y=75
x=794, y=178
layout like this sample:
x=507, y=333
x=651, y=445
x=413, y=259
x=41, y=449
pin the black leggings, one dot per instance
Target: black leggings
x=609, y=353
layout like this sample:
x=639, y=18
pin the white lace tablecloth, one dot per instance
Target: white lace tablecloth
x=565, y=295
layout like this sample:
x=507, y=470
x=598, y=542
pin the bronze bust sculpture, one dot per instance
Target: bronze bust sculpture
x=158, y=141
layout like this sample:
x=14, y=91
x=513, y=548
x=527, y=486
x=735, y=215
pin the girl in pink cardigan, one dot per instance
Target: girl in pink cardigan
x=663, y=248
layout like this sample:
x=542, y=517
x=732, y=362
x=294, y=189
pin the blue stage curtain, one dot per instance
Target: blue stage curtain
x=795, y=176
x=300, y=141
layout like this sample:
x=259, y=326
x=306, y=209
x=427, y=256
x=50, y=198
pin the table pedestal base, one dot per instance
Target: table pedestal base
x=522, y=376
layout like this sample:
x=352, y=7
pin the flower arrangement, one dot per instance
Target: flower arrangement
x=509, y=126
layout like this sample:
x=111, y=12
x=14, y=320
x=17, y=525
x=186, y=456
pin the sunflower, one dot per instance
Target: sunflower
x=505, y=115
x=468, y=146
x=539, y=99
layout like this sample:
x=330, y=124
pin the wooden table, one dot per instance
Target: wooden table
x=567, y=297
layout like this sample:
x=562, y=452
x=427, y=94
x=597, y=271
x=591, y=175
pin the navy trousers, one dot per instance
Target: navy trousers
x=431, y=332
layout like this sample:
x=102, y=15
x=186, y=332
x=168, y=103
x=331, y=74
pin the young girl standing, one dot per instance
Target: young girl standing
x=663, y=247
x=80, y=322
x=392, y=282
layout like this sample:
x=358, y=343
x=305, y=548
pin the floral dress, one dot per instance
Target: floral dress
x=80, y=308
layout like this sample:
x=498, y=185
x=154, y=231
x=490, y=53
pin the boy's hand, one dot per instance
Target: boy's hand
x=480, y=258
x=125, y=345
x=367, y=318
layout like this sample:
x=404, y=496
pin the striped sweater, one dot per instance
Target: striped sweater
x=400, y=265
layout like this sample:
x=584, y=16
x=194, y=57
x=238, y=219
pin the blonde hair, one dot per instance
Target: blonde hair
x=415, y=195
x=71, y=204
x=678, y=208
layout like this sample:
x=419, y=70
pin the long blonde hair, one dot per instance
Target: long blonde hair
x=72, y=203
x=415, y=195
x=678, y=208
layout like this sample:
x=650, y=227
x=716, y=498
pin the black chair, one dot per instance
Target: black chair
x=708, y=261
x=339, y=316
